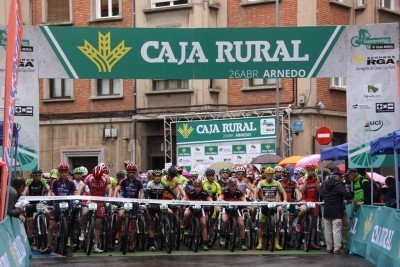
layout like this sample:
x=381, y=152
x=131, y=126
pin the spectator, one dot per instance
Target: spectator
x=16, y=189
x=390, y=182
x=334, y=193
x=361, y=188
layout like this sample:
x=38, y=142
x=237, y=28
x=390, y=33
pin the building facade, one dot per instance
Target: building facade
x=85, y=122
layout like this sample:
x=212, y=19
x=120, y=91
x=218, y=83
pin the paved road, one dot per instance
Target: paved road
x=210, y=258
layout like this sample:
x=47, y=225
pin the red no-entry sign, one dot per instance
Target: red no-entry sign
x=323, y=135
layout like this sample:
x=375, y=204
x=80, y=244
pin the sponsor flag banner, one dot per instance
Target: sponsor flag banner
x=372, y=102
x=375, y=235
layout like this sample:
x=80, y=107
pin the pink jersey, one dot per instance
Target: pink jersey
x=97, y=186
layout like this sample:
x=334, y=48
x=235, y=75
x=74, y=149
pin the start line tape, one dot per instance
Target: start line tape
x=157, y=201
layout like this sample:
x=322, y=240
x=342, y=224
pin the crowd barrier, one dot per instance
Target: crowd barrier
x=375, y=235
x=14, y=245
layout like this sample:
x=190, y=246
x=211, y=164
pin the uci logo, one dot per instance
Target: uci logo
x=373, y=126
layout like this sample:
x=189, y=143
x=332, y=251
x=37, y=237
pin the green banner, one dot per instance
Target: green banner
x=223, y=53
x=211, y=150
x=184, y=151
x=375, y=235
x=225, y=130
x=14, y=246
x=238, y=149
x=268, y=148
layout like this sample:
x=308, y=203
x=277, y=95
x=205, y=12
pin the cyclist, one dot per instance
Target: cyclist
x=214, y=190
x=298, y=173
x=120, y=175
x=270, y=189
x=35, y=186
x=242, y=182
x=132, y=187
x=224, y=178
x=155, y=190
x=59, y=187
x=182, y=179
x=97, y=182
x=310, y=187
x=278, y=173
x=53, y=175
x=197, y=194
x=292, y=194
x=174, y=184
x=232, y=194
x=78, y=179
x=188, y=185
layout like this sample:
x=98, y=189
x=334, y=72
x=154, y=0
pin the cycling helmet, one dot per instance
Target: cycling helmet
x=197, y=182
x=241, y=169
x=224, y=170
x=38, y=171
x=194, y=172
x=85, y=171
x=97, y=171
x=300, y=171
x=164, y=172
x=278, y=169
x=157, y=173
x=104, y=167
x=150, y=173
x=77, y=170
x=126, y=162
x=120, y=174
x=46, y=175
x=310, y=167
x=269, y=170
x=63, y=167
x=54, y=173
x=287, y=171
x=172, y=171
x=131, y=167
x=210, y=171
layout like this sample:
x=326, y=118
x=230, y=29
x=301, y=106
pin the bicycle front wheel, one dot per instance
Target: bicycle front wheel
x=90, y=236
x=232, y=234
x=168, y=236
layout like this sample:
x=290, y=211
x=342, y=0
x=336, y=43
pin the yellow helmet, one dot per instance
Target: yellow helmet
x=269, y=170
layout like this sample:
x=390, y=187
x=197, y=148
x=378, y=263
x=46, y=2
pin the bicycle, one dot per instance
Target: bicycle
x=105, y=228
x=60, y=235
x=284, y=226
x=307, y=225
x=75, y=226
x=232, y=230
x=195, y=228
x=90, y=227
x=140, y=233
x=163, y=232
x=40, y=232
x=176, y=226
x=248, y=229
x=113, y=224
x=125, y=236
x=270, y=227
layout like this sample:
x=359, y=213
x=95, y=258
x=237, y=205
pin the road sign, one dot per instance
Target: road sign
x=323, y=135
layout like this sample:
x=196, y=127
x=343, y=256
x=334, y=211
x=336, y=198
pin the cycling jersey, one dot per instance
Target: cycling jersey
x=131, y=188
x=173, y=185
x=223, y=184
x=86, y=190
x=188, y=185
x=182, y=179
x=311, y=193
x=155, y=191
x=212, y=189
x=97, y=186
x=242, y=185
x=237, y=195
x=36, y=188
x=269, y=189
x=63, y=188
x=289, y=188
x=202, y=196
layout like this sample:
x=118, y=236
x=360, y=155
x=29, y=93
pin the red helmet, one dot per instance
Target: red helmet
x=310, y=167
x=197, y=182
x=97, y=171
x=63, y=167
x=104, y=167
x=131, y=167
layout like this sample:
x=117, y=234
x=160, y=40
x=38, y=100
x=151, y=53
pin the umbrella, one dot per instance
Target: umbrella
x=290, y=160
x=310, y=159
x=377, y=177
x=266, y=158
x=186, y=174
x=334, y=164
x=217, y=166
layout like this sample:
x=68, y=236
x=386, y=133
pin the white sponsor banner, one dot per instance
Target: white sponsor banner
x=373, y=100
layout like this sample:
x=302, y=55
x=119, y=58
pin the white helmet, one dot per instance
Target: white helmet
x=278, y=169
x=299, y=170
x=241, y=169
x=194, y=172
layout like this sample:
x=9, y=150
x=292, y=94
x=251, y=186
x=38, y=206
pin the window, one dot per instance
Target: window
x=390, y=4
x=338, y=82
x=159, y=85
x=167, y=3
x=108, y=87
x=361, y=2
x=60, y=88
x=56, y=11
x=108, y=8
x=262, y=82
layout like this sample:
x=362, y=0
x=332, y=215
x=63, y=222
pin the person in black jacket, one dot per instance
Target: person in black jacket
x=16, y=189
x=334, y=193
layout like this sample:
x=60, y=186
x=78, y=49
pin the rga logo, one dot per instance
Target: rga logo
x=267, y=126
x=26, y=65
x=185, y=131
x=373, y=126
x=364, y=38
x=373, y=92
x=384, y=107
x=103, y=57
x=381, y=60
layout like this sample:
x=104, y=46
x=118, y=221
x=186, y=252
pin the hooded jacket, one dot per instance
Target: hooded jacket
x=334, y=193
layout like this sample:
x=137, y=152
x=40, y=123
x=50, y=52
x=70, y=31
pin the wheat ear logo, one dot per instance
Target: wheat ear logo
x=185, y=131
x=103, y=57
x=368, y=225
